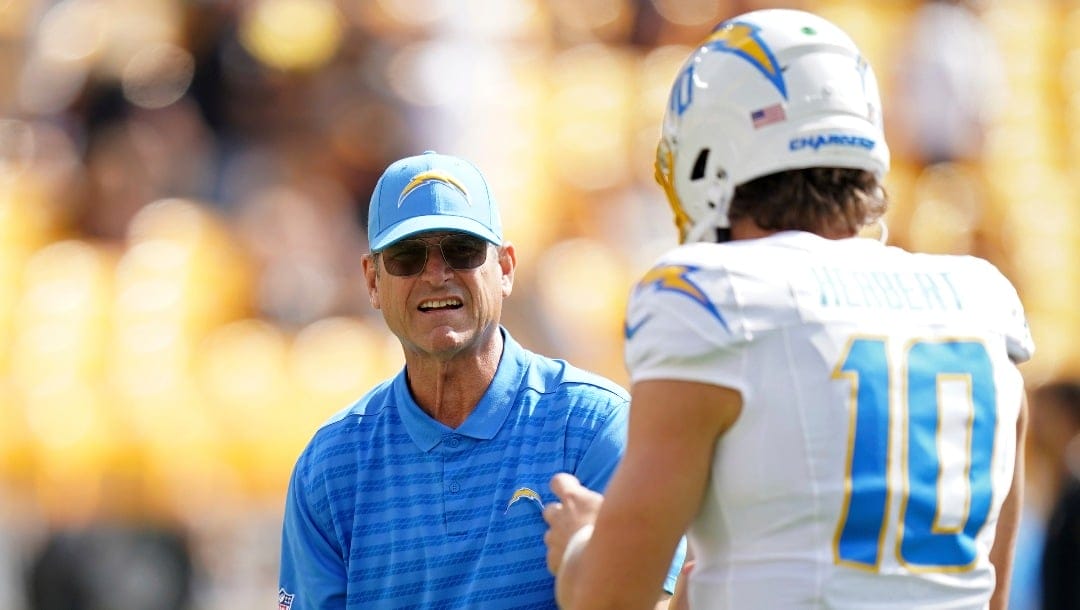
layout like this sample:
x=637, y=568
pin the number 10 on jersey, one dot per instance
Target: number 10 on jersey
x=948, y=418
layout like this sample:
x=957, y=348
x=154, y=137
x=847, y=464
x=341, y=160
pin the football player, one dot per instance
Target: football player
x=835, y=422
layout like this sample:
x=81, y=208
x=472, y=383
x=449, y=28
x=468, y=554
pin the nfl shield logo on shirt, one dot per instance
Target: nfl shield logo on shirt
x=284, y=600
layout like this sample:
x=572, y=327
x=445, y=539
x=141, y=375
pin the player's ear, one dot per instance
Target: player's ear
x=371, y=276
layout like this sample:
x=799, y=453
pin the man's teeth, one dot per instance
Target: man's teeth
x=440, y=303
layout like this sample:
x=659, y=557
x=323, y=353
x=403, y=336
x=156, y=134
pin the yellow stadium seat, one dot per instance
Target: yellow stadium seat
x=582, y=286
x=591, y=106
x=242, y=368
x=61, y=320
x=948, y=207
x=183, y=247
x=336, y=360
x=75, y=441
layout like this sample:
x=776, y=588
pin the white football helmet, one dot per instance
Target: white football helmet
x=767, y=91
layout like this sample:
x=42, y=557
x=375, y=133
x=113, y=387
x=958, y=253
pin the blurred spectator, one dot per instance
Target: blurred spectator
x=950, y=82
x=120, y=553
x=1055, y=426
x=119, y=566
x=304, y=237
x=949, y=88
x=11, y=591
x=140, y=155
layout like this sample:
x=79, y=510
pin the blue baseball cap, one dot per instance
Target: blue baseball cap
x=431, y=192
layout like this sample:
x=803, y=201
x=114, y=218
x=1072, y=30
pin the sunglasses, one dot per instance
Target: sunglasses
x=409, y=256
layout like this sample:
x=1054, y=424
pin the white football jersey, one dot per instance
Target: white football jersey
x=877, y=437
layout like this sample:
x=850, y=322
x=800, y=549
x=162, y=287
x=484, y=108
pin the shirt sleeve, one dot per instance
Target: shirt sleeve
x=689, y=330
x=603, y=453
x=1018, y=339
x=312, y=574
x=1013, y=321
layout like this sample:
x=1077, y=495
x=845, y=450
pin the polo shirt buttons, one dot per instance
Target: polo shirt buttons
x=454, y=487
x=453, y=442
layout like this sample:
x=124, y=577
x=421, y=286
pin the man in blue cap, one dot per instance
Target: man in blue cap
x=428, y=491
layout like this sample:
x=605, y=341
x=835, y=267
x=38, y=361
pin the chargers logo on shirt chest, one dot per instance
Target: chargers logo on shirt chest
x=524, y=493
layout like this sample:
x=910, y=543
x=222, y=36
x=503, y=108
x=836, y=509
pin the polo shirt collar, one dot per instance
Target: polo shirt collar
x=491, y=412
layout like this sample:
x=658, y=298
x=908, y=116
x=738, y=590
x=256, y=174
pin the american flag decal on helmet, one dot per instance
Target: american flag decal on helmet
x=768, y=115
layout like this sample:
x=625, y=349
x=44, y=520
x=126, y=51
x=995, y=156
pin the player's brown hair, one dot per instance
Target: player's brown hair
x=822, y=200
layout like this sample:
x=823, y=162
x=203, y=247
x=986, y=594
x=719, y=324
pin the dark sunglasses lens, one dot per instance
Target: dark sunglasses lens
x=461, y=252
x=408, y=257
x=405, y=258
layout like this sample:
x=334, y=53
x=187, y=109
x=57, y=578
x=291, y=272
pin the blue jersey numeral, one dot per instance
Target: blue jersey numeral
x=929, y=537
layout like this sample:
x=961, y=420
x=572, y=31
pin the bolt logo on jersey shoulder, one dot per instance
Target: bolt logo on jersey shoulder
x=432, y=176
x=524, y=493
x=675, y=278
x=742, y=39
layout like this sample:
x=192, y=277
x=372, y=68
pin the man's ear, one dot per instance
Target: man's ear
x=507, y=263
x=371, y=276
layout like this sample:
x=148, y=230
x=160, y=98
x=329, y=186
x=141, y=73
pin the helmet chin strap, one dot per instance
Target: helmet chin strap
x=711, y=221
x=715, y=220
x=883, y=237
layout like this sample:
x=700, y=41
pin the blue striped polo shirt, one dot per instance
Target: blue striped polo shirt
x=388, y=508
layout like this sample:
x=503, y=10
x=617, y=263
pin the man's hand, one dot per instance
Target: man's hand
x=577, y=507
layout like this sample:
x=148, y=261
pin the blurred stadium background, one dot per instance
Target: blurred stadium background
x=182, y=192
